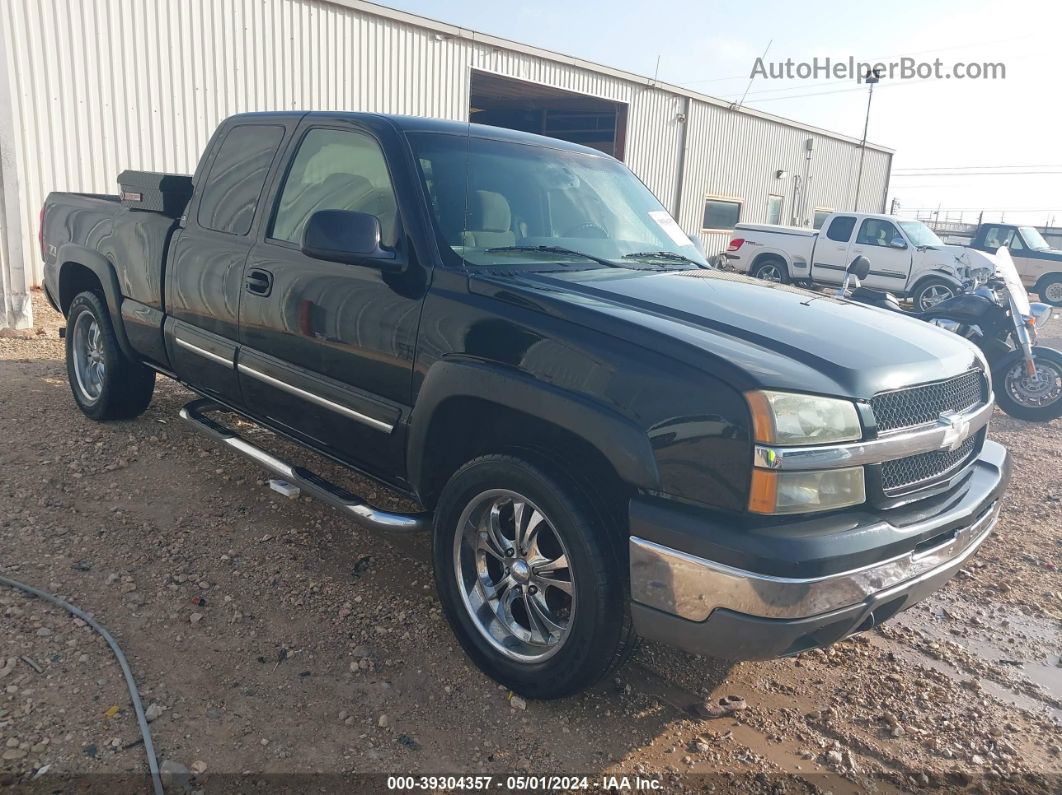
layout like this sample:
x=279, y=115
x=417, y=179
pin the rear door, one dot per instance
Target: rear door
x=881, y=242
x=204, y=275
x=328, y=351
x=830, y=258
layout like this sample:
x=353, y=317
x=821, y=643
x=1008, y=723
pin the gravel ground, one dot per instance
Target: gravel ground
x=270, y=636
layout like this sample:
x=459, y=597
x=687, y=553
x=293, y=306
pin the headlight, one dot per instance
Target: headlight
x=788, y=418
x=1039, y=314
x=804, y=492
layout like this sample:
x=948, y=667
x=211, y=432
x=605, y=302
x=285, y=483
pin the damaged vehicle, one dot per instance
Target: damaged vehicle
x=609, y=439
x=909, y=260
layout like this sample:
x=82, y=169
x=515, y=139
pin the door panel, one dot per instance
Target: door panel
x=878, y=241
x=830, y=258
x=334, y=341
x=205, y=272
x=203, y=358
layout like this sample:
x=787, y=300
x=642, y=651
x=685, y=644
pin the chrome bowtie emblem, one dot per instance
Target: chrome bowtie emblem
x=956, y=429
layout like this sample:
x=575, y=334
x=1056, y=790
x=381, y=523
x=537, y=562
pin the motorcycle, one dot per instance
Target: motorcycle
x=996, y=315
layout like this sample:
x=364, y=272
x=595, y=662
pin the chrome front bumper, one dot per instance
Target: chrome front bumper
x=692, y=588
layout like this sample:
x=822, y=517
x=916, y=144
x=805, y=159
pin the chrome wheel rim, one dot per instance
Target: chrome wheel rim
x=1035, y=392
x=1053, y=292
x=512, y=569
x=769, y=273
x=90, y=366
x=932, y=296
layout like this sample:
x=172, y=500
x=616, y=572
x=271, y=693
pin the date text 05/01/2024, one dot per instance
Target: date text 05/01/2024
x=523, y=783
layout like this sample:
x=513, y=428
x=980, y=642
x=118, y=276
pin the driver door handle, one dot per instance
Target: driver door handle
x=259, y=282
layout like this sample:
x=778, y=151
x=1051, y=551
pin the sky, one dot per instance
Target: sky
x=961, y=145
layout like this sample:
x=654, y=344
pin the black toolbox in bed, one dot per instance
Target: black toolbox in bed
x=155, y=192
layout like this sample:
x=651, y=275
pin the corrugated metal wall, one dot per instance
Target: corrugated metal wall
x=102, y=85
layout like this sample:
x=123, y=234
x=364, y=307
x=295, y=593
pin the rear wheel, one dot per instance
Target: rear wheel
x=1037, y=398
x=107, y=385
x=1050, y=289
x=932, y=292
x=528, y=579
x=770, y=270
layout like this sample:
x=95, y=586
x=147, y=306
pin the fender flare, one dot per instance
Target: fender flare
x=935, y=274
x=1047, y=277
x=774, y=253
x=72, y=253
x=623, y=443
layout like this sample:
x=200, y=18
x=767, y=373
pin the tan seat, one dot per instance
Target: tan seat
x=490, y=221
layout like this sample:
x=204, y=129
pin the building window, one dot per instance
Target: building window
x=820, y=216
x=721, y=214
x=774, y=209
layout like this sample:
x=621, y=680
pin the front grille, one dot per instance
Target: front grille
x=918, y=405
x=905, y=473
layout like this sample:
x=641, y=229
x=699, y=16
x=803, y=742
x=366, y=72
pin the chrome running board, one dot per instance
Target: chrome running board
x=361, y=512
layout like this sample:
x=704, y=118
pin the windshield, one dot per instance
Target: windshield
x=1033, y=238
x=919, y=234
x=1008, y=273
x=500, y=202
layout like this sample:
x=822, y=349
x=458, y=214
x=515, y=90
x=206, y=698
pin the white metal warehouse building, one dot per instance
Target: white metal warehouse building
x=91, y=87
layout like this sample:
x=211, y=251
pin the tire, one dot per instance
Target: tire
x=107, y=385
x=1037, y=401
x=770, y=269
x=591, y=632
x=931, y=292
x=1050, y=289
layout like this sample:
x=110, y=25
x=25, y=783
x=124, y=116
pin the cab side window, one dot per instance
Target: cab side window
x=876, y=232
x=996, y=236
x=234, y=184
x=336, y=170
x=841, y=228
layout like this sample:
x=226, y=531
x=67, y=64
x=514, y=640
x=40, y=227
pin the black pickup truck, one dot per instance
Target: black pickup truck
x=609, y=439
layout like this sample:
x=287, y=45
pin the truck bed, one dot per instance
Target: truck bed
x=135, y=241
x=799, y=231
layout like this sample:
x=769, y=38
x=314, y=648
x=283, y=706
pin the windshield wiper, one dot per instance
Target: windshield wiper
x=556, y=250
x=672, y=255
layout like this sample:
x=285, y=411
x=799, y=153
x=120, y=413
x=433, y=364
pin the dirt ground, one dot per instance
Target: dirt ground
x=270, y=636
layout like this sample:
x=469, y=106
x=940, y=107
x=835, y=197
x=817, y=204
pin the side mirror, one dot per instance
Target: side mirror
x=347, y=236
x=860, y=268
x=897, y=242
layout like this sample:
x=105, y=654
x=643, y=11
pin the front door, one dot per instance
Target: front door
x=830, y=259
x=328, y=347
x=890, y=256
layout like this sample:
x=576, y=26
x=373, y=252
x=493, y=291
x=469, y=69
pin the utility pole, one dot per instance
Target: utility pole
x=872, y=77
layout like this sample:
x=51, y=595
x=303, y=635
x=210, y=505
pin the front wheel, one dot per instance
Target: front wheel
x=1036, y=398
x=528, y=578
x=932, y=292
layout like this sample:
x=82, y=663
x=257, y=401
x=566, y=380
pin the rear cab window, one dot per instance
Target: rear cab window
x=233, y=186
x=841, y=228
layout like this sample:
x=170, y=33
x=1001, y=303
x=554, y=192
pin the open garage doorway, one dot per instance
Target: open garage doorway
x=531, y=107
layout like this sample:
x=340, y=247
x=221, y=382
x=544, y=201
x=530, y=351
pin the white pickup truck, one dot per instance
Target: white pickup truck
x=906, y=257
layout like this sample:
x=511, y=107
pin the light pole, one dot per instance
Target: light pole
x=872, y=76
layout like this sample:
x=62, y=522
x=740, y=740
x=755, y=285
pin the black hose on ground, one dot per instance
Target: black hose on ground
x=149, y=748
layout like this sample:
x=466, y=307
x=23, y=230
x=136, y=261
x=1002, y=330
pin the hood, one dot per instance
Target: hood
x=755, y=334
x=962, y=257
